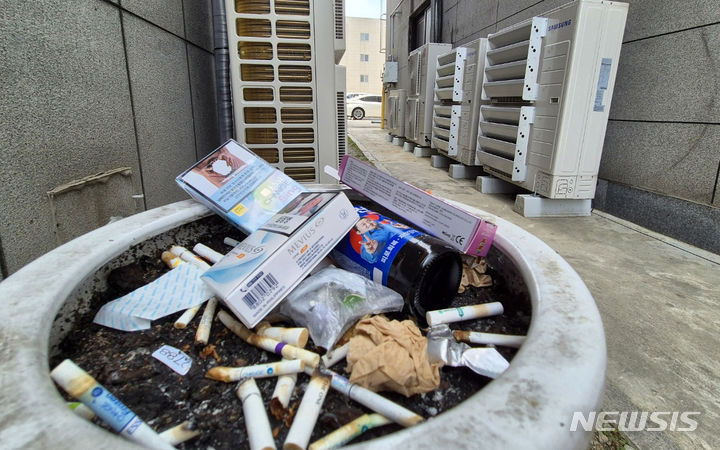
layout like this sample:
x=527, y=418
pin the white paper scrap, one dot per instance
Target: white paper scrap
x=485, y=361
x=179, y=289
x=173, y=358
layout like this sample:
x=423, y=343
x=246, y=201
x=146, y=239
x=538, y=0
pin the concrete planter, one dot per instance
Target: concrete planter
x=559, y=370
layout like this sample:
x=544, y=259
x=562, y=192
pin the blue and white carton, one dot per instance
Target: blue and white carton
x=260, y=271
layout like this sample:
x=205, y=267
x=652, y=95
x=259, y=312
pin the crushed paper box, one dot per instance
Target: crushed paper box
x=457, y=227
x=239, y=186
x=260, y=271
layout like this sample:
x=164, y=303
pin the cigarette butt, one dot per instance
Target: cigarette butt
x=203, y=331
x=82, y=410
x=451, y=315
x=298, y=436
x=229, y=374
x=179, y=434
x=284, y=387
x=475, y=337
x=283, y=391
x=191, y=258
x=188, y=256
x=231, y=242
x=182, y=322
x=171, y=260
x=81, y=385
x=206, y=252
x=334, y=356
x=349, y=431
x=256, y=421
x=371, y=400
x=293, y=336
x=269, y=344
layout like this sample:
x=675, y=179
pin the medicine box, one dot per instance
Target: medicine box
x=464, y=231
x=260, y=271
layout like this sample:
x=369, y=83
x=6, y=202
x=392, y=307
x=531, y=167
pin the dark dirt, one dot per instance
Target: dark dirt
x=122, y=362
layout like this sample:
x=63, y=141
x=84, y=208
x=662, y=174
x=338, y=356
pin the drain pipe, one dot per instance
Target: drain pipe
x=222, y=71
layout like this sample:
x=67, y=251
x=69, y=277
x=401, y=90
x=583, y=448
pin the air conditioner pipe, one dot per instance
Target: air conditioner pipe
x=222, y=72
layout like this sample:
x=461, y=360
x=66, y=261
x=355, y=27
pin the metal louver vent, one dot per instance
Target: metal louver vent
x=339, y=14
x=341, y=132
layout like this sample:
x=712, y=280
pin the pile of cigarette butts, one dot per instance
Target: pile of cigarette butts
x=94, y=400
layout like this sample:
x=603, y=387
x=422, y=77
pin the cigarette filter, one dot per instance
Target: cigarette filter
x=269, y=344
x=171, y=260
x=203, y=331
x=299, y=434
x=293, y=336
x=188, y=256
x=451, y=315
x=182, y=322
x=475, y=337
x=206, y=252
x=231, y=242
x=85, y=388
x=373, y=401
x=334, y=356
x=82, y=410
x=179, y=434
x=256, y=420
x=283, y=390
x=228, y=374
x=349, y=431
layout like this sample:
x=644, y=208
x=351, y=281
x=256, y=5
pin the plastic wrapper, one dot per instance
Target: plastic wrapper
x=331, y=301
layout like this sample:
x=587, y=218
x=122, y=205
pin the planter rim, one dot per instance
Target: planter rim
x=560, y=369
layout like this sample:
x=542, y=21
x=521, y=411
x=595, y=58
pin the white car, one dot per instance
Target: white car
x=364, y=105
x=355, y=94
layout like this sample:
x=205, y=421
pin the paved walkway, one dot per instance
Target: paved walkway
x=659, y=298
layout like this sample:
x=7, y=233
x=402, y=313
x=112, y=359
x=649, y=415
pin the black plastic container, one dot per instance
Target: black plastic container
x=423, y=269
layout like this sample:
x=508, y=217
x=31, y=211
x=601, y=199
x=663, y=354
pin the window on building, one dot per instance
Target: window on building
x=364, y=78
x=364, y=36
x=364, y=57
x=420, y=28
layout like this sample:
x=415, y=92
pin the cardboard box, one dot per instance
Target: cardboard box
x=239, y=186
x=258, y=273
x=457, y=227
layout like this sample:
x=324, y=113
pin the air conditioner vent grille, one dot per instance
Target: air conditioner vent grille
x=339, y=13
x=342, y=132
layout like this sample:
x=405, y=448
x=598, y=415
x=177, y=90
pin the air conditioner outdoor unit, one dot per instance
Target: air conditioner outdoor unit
x=458, y=88
x=288, y=94
x=549, y=81
x=419, y=110
x=396, y=112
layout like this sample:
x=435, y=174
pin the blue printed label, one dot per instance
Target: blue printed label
x=107, y=407
x=372, y=245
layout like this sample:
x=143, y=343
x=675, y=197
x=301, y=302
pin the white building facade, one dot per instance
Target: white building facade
x=364, y=54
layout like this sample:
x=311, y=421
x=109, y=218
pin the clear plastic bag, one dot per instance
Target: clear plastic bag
x=331, y=301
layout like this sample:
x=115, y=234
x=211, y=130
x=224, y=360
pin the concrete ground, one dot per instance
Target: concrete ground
x=657, y=296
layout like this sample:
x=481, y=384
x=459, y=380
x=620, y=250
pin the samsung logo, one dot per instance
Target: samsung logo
x=567, y=23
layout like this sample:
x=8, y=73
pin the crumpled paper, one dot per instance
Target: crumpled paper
x=391, y=356
x=473, y=273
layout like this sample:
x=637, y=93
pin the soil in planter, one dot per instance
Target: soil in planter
x=122, y=362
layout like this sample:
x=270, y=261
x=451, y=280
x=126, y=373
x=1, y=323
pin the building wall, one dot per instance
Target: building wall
x=374, y=47
x=124, y=88
x=661, y=160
